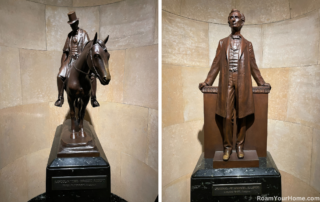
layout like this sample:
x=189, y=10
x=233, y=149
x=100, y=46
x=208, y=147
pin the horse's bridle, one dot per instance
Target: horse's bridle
x=94, y=68
x=80, y=70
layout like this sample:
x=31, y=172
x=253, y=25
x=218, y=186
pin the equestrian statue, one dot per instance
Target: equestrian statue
x=82, y=62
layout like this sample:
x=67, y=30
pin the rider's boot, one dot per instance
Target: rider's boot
x=60, y=100
x=94, y=101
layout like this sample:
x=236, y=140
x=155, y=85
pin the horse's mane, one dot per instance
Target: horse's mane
x=98, y=42
x=86, y=44
x=85, y=50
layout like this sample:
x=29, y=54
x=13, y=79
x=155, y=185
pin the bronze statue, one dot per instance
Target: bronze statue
x=72, y=50
x=80, y=69
x=236, y=62
x=75, y=142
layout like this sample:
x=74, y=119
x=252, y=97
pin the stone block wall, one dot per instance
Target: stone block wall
x=285, y=38
x=32, y=35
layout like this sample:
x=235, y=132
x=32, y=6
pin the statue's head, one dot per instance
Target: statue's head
x=73, y=20
x=236, y=19
x=100, y=56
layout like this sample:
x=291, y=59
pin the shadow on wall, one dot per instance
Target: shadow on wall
x=201, y=138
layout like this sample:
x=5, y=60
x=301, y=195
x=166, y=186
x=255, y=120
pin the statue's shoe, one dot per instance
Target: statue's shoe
x=226, y=154
x=59, y=102
x=240, y=153
x=94, y=102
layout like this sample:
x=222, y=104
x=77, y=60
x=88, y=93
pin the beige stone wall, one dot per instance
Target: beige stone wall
x=32, y=35
x=285, y=37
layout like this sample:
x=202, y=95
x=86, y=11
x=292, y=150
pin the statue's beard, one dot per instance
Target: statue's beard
x=236, y=29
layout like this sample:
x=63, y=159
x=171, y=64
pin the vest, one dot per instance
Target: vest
x=76, y=44
x=234, y=47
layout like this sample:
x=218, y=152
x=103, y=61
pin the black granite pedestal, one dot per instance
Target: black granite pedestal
x=236, y=184
x=78, y=179
x=43, y=198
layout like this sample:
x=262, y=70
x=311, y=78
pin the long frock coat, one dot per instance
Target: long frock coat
x=246, y=67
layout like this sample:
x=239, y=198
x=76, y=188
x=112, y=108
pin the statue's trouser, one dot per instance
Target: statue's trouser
x=93, y=85
x=60, y=83
x=231, y=116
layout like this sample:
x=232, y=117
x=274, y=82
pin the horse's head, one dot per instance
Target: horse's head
x=99, y=60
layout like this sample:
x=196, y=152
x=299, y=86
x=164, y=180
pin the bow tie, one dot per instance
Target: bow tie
x=236, y=37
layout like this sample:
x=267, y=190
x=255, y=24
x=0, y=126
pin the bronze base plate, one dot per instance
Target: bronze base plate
x=250, y=160
x=78, y=147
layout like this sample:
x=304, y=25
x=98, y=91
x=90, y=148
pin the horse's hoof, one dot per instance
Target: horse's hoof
x=73, y=136
x=82, y=133
x=59, y=102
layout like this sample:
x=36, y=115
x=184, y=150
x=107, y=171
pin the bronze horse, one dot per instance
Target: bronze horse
x=94, y=58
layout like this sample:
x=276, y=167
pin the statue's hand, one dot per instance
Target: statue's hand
x=267, y=84
x=201, y=85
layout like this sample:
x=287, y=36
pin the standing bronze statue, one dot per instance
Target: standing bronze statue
x=72, y=50
x=236, y=63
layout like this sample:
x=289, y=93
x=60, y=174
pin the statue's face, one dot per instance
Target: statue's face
x=234, y=20
x=74, y=26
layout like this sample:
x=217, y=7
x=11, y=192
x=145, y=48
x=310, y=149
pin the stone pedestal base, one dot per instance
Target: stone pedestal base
x=250, y=160
x=80, y=146
x=77, y=178
x=43, y=198
x=235, y=184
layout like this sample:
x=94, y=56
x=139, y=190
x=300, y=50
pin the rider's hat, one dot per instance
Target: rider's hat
x=72, y=17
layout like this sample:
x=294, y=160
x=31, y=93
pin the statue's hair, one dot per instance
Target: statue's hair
x=243, y=18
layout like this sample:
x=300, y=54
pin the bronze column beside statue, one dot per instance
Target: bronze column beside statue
x=236, y=63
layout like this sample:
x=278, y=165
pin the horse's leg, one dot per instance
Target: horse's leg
x=82, y=112
x=73, y=117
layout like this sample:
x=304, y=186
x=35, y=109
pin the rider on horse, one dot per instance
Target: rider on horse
x=76, y=41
